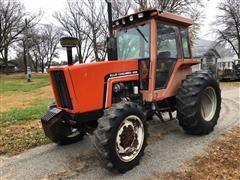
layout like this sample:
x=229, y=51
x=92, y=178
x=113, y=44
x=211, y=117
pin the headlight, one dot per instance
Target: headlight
x=140, y=15
x=131, y=18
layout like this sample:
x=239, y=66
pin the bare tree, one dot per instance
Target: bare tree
x=12, y=25
x=86, y=21
x=229, y=25
x=142, y=4
x=73, y=25
x=52, y=36
x=92, y=13
x=121, y=7
x=43, y=45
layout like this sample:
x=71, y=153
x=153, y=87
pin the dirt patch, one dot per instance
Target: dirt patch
x=156, y=134
x=78, y=165
x=227, y=85
x=23, y=99
x=17, y=138
x=222, y=161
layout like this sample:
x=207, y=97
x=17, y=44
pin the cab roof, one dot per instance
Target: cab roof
x=150, y=14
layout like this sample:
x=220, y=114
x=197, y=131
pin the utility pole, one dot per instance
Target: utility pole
x=29, y=73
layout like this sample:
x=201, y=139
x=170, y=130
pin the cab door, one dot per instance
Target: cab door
x=168, y=53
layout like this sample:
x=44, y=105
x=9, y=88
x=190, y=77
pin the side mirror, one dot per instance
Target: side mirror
x=69, y=43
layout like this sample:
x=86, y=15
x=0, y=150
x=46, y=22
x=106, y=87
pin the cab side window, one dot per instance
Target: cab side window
x=185, y=43
x=167, y=53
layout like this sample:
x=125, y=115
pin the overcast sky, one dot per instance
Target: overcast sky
x=50, y=6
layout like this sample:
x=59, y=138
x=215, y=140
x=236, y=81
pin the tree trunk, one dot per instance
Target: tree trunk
x=5, y=59
x=49, y=62
x=42, y=66
x=35, y=64
x=238, y=48
x=95, y=45
x=24, y=58
x=79, y=52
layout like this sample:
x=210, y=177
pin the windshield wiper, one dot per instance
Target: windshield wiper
x=140, y=32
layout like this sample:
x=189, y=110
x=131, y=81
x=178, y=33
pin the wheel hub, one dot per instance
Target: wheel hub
x=127, y=136
x=129, y=139
x=208, y=104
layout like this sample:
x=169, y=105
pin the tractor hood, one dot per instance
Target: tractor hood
x=82, y=88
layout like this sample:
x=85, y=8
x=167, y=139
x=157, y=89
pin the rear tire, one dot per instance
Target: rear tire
x=199, y=103
x=121, y=136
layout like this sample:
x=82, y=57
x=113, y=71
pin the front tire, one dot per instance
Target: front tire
x=199, y=103
x=67, y=134
x=121, y=136
x=64, y=133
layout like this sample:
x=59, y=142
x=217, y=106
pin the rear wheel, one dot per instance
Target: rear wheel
x=121, y=135
x=199, y=103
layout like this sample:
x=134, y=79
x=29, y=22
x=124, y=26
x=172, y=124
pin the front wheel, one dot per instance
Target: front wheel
x=121, y=135
x=199, y=103
x=67, y=134
x=62, y=132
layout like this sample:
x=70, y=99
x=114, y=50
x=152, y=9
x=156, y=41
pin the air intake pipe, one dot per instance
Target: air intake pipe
x=111, y=41
x=69, y=43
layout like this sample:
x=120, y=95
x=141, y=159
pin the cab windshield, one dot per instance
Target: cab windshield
x=133, y=43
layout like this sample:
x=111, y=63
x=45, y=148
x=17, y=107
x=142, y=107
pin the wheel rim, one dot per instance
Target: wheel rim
x=74, y=132
x=68, y=131
x=208, y=104
x=130, y=138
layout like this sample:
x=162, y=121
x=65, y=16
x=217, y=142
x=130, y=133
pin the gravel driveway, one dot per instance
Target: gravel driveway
x=168, y=149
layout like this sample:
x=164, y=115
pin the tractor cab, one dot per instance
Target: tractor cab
x=160, y=42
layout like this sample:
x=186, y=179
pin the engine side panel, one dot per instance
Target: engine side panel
x=86, y=83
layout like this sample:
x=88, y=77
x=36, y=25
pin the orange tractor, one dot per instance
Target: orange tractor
x=148, y=72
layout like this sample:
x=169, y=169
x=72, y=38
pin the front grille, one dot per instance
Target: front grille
x=62, y=89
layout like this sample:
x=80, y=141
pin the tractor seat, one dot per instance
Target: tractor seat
x=164, y=55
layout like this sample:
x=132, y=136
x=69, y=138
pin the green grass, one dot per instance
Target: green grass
x=34, y=111
x=10, y=84
x=20, y=126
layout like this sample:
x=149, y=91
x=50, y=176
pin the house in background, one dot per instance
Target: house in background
x=210, y=56
x=11, y=67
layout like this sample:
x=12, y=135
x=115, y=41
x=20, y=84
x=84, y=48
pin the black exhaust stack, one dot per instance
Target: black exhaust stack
x=69, y=43
x=109, y=9
x=111, y=41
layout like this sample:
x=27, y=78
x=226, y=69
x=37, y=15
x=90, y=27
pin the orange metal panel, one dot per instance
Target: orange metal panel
x=86, y=82
x=161, y=15
x=181, y=70
x=147, y=95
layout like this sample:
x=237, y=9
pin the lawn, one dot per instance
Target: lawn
x=18, y=83
x=221, y=161
x=22, y=105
